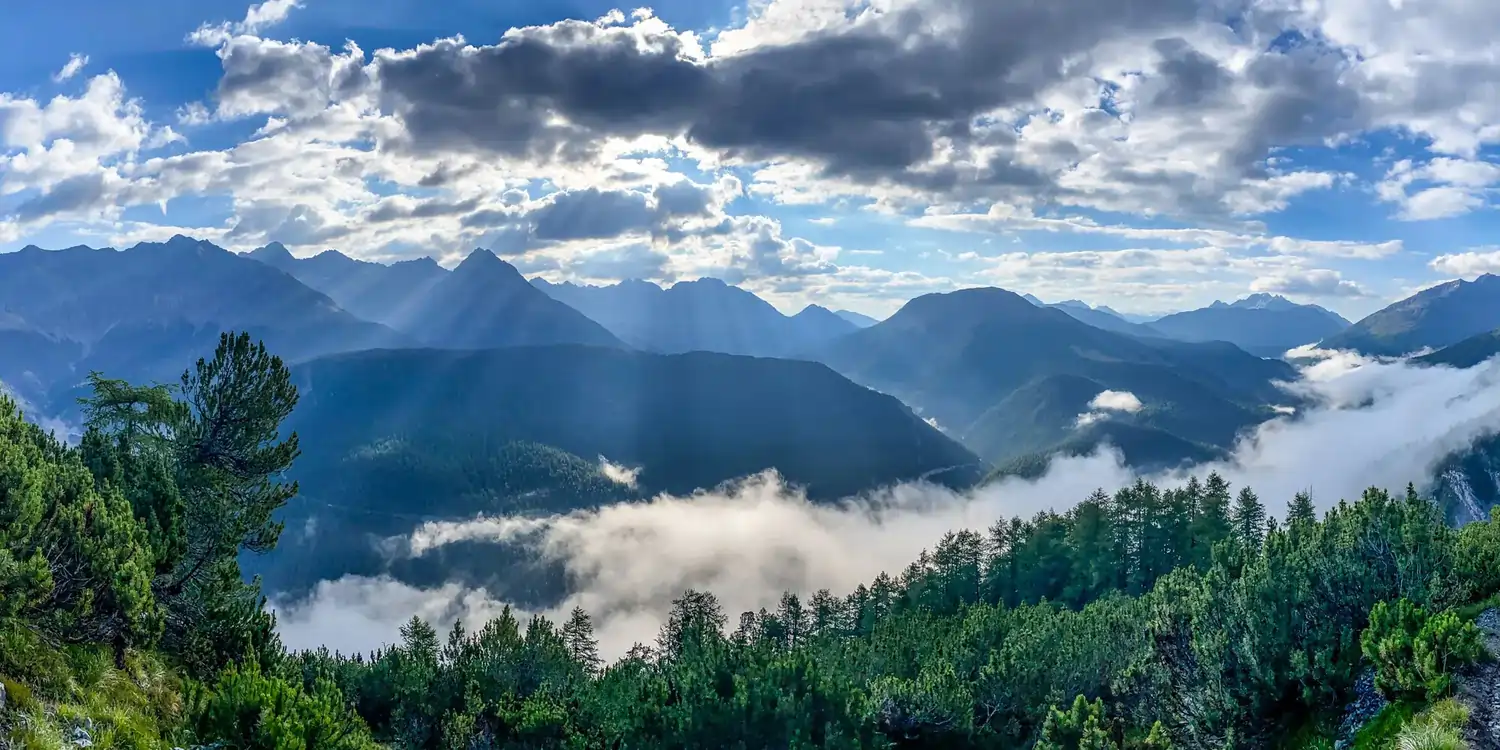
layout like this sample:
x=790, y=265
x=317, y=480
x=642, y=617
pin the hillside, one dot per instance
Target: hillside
x=1467, y=353
x=141, y=313
x=1433, y=318
x=687, y=421
x=967, y=358
x=485, y=303
x=702, y=315
x=1261, y=324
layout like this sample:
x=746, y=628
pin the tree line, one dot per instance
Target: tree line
x=1182, y=617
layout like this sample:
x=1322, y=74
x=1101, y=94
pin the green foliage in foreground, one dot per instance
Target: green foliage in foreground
x=1415, y=655
x=1151, y=618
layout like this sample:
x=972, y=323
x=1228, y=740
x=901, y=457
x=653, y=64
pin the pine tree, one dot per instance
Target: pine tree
x=1211, y=523
x=1249, y=519
x=1300, y=510
x=578, y=634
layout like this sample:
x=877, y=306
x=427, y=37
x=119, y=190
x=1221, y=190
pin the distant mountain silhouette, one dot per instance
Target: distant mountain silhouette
x=373, y=291
x=702, y=315
x=859, y=320
x=1006, y=376
x=1433, y=318
x=1098, y=317
x=146, y=312
x=486, y=303
x=1262, y=324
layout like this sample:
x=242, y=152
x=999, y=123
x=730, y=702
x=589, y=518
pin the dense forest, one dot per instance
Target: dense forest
x=1182, y=617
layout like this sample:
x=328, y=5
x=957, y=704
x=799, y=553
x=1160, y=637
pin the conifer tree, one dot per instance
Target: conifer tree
x=1300, y=510
x=1249, y=519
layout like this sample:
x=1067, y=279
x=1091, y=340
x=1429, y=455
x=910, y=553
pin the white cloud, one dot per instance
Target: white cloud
x=1315, y=283
x=73, y=67
x=257, y=19
x=623, y=475
x=1468, y=264
x=1116, y=401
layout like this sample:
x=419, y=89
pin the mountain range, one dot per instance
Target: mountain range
x=1262, y=324
x=145, y=312
x=702, y=315
x=1007, y=379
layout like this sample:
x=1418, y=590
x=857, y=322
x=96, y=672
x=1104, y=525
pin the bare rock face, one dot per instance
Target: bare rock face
x=1479, y=688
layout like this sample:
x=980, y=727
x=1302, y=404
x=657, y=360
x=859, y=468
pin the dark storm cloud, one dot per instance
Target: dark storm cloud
x=865, y=101
x=592, y=214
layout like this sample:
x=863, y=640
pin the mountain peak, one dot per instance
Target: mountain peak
x=330, y=255
x=273, y=253
x=482, y=262
x=818, y=311
x=1264, y=301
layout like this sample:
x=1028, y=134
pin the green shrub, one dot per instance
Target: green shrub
x=249, y=710
x=1415, y=655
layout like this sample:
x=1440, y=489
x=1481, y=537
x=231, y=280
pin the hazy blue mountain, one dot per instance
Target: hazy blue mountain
x=143, y=313
x=1098, y=317
x=859, y=320
x=486, y=303
x=702, y=315
x=1007, y=376
x=373, y=291
x=1262, y=324
x=1433, y=318
x=816, y=323
x=1128, y=317
x=1467, y=353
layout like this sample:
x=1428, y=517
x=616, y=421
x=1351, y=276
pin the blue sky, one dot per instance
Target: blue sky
x=1150, y=155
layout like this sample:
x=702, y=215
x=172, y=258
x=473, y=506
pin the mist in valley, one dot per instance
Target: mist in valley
x=1372, y=423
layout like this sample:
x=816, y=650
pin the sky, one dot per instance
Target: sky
x=1148, y=155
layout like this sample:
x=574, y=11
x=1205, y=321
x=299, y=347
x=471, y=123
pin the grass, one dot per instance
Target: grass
x=51, y=691
x=1381, y=732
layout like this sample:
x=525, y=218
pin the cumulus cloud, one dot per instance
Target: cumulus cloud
x=1106, y=402
x=73, y=67
x=1468, y=264
x=1371, y=423
x=1116, y=401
